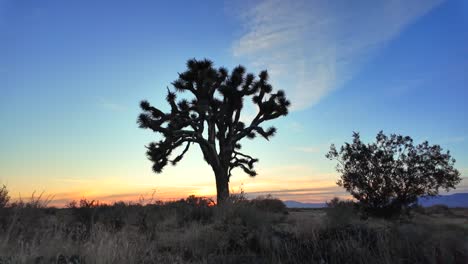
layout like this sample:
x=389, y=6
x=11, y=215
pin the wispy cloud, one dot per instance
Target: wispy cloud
x=312, y=47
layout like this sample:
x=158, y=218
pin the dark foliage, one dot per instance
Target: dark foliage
x=269, y=204
x=84, y=213
x=4, y=197
x=390, y=174
x=212, y=119
x=193, y=209
x=437, y=209
x=340, y=212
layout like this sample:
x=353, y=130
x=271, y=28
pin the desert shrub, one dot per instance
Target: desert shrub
x=238, y=224
x=35, y=201
x=417, y=208
x=269, y=204
x=22, y=218
x=4, y=212
x=71, y=204
x=390, y=174
x=113, y=217
x=85, y=213
x=438, y=209
x=340, y=212
x=4, y=197
x=147, y=216
x=244, y=225
x=377, y=242
x=192, y=208
x=237, y=197
x=360, y=240
x=249, y=213
x=429, y=242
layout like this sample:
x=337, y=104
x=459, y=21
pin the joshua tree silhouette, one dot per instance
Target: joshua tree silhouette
x=212, y=119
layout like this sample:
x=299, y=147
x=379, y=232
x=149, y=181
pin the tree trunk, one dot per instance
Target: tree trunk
x=222, y=184
x=220, y=170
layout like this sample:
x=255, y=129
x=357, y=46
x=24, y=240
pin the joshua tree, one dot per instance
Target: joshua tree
x=212, y=119
x=392, y=173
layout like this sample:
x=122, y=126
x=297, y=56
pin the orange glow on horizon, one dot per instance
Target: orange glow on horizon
x=307, y=185
x=302, y=191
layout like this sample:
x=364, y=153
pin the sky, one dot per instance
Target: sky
x=72, y=74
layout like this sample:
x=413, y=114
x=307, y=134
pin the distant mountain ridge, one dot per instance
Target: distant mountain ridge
x=296, y=204
x=452, y=200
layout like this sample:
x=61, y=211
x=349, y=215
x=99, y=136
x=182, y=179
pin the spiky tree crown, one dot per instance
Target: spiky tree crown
x=212, y=118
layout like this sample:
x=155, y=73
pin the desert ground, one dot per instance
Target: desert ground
x=261, y=230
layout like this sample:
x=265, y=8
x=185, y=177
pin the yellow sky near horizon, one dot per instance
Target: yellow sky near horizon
x=307, y=185
x=297, y=182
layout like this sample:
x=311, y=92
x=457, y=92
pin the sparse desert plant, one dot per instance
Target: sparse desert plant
x=212, y=119
x=237, y=197
x=193, y=209
x=417, y=208
x=84, y=203
x=270, y=204
x=438, y=209
x=85, y=213
x=114, y=217
x=390, y=174
x=72, y=204
x=35, y=201
x=341, y=212
x=244, y=226
x=4, y=197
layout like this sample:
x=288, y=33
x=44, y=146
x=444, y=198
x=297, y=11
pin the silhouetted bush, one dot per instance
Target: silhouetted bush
x=341, y=212
x=269, y=204
x=35, y=201
x=4, y=197
x=387, y=176
x=438, y=209
x=4, y=213
x=193, y=209
x=245, y=225
x=113, y=217
x=84, y=213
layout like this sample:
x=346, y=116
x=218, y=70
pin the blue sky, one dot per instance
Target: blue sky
x=72, y=74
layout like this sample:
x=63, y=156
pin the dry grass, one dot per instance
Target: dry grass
x=242, y=231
